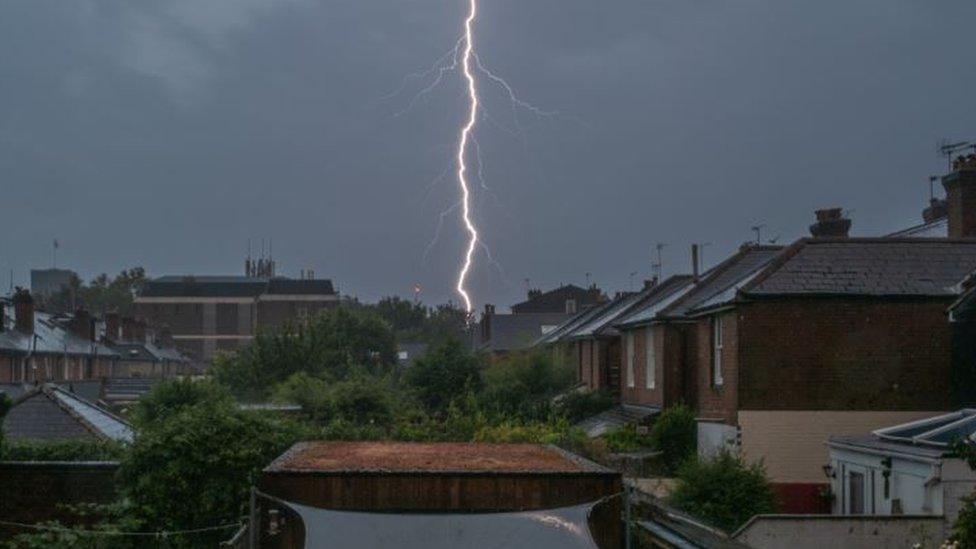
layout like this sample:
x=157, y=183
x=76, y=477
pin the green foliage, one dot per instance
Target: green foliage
x=194, y=468
x=675, y=434
x=523, y=384
x=361, y=398
x=964, y=529
x=626, y=439
x=61, y=450
x=103, y=294
x=5, y=405
x=447, y=372
x=723, y=491
x=577, y=406
x=171, y=396
x=329, y=346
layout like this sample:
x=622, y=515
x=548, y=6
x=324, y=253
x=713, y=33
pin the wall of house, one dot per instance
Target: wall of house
x=640, y=394
x=711, y=400
x=844, y=354
x=54, y=367
x=793, y=444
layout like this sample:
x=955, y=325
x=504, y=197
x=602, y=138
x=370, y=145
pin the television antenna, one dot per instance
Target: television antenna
x=948, y=149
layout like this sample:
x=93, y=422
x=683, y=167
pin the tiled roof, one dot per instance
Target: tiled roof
x=555, y=300
x=604, y=319
x=628, y=304
x=518, y=331
x=870, y=267
x=669, y=291
x=49, y=337
x=572, y=323
x=49, y=412
x=720, y=283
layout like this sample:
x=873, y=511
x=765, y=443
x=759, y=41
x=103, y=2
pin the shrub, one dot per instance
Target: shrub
x=577, y=406
x=626, y=439
x=675, y=434
x=447, y=372
x=171, y=396
x=61, y=450
x=723, y=491
x=522, y=384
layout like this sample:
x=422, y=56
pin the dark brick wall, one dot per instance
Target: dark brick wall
x=639, y=393
x=275, y=314
x=843, y=354
x=710, y=399
x=32, y=492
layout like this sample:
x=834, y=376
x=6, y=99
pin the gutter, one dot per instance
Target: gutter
x=884, y=453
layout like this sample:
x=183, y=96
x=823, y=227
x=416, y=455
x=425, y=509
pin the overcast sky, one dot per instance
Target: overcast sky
x=166, y=133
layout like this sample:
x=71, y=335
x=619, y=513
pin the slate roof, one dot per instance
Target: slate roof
x=604, y=319
x=669, y=291
x=938, y=228
x=49, y=337
x=868, y=267
x=719, y=284
x=572, y=323
x=148, y=352
x=233, y=286
x=517, y=331
x=49, y=412
x=554, y=301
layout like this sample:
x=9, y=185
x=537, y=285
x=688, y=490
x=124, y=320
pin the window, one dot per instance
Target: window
x=855, y=493
x=650, y=359
x=570, y=306
x=630, y=359
x=717, y=345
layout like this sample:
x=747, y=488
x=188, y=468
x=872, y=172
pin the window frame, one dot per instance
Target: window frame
x=631, y=358
x=650, y=359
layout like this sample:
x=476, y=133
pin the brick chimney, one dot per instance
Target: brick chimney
x=133, y=330
x=164, y=337
x=960, y=186
x=23, y=311
x=486, y=322
x=650, y=283
x=831, y=223
x=112, y=326
x=694, y=262
x=938, y=208
x=534, y=293
x=83, y=325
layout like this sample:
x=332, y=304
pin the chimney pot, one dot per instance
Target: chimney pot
x=831, y=223
x=694, y=261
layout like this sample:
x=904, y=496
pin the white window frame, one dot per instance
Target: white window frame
x=650, y=359
x=630, y=359
x=718, y=344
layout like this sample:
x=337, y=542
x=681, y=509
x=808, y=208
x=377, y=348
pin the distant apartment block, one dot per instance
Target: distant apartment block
x=47, y=282
x=211, y=314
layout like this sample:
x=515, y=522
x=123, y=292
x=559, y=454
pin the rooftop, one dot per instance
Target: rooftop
x=50, y=412
x=517, y=331
x=669, y=291
x=870, y=267
x=413, y=457
x=49, y=336
x=233, y=286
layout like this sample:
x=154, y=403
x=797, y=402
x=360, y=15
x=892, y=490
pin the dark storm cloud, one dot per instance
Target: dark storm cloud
x=168, y=133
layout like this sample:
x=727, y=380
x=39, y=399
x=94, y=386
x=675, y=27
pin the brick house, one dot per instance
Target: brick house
x=568, y=299
x=209, y=314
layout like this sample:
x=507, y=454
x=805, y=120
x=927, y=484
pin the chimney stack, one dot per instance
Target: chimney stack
x=650, y=283
x=112, y=326
x=831, y=223
x=23, y=311
x=960, y=186
x=3, y=316
x=938, y=208
x=486, y=322
x=133, y=330
x=694, y=262
x=83, y=325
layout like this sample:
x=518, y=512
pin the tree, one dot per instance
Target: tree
x=329, y=346
x=171, y=396
x=523, y=383
x=194, y=467
x=723, y=491
x=446, y=373
x=358, y=399
x=675, y=434
x=103, y=294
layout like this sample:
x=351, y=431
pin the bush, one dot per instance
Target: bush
x=61, y=450
x=522, y=384
x=329, y=346
x=626, y=439
x=171, y=396
x=723, y=491
x=446, y=373
x=577, y=406
x=675, y=435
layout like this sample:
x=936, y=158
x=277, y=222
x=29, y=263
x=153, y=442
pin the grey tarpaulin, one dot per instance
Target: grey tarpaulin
x=565, y=527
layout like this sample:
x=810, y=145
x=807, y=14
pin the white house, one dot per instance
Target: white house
x=903, y=470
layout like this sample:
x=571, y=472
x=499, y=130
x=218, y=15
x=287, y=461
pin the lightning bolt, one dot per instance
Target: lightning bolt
x=466, y=131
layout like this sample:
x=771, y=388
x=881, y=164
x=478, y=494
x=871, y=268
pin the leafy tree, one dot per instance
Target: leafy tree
x=358, y=399
x=171, y=396
x=723, y=491
x=446, y=373
x=675, y=434
x=194, y=468
x=103, y=294
x=329, y=346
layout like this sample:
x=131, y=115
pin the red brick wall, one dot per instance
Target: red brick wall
x=711, y=400
x=842, y=354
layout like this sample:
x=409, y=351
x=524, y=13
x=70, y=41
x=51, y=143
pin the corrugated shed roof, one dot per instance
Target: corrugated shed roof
x=869, y=267
x=669, y=291
x=49, y=412
x=718, y=281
